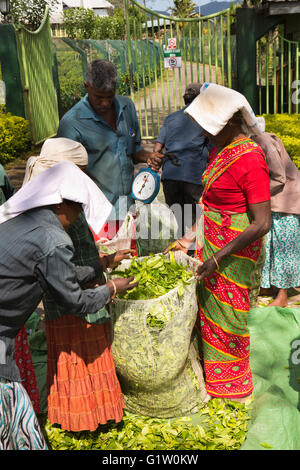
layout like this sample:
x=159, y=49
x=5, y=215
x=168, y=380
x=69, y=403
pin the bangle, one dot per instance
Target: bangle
x=217, y=264
x=115, y=288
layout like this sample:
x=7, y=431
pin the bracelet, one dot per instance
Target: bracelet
x=115, y=288
x=217, y=264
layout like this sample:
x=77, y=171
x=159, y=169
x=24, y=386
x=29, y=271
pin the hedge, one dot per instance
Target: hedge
x=14, y=137
x=287, y=128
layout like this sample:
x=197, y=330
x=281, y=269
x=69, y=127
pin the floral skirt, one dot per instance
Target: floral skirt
x=83, y=389
x=282, y=267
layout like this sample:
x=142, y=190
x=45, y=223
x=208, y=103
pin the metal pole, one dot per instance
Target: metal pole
x=200, y=55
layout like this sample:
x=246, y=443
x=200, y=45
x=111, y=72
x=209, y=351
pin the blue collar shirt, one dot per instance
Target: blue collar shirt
x=110, y=153
x=184, y=137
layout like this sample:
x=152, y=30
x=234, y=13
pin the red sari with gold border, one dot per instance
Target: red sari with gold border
x=224, y=296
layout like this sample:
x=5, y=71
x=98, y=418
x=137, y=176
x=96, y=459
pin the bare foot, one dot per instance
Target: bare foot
x=281, y=300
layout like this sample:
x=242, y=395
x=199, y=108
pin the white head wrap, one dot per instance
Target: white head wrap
x=54, y=151
x=261, y=123
x=216, y=104
x=63, y=181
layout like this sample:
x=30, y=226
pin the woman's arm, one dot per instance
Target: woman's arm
x=260, y=225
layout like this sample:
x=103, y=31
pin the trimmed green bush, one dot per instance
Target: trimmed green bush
x=14, y=137
x=287, y=128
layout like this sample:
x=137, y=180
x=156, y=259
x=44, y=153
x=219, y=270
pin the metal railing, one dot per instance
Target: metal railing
x=278, y=67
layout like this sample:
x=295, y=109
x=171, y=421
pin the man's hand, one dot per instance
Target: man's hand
x=155, y=160
x=178, y=245
x=115, y=258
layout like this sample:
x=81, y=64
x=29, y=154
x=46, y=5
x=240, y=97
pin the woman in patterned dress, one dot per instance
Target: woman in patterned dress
x=236, y=214
x=281, y=269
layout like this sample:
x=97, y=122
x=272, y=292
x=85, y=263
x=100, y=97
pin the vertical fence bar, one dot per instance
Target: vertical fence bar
x=228, y=50
x=259, y=75
x=197, y=35
x=203, y=51
x=216, y=50
x=167, y=70
x=137, y=74
x=222, y=48
x=162, y=82
x=149, y=78
x=209, y=50
x=281, y=74
x=289, y=77
x=274, y=75
x=179, y=70
x=191, y=52
x=155, y=74
x=267, y=75
x=297, y=77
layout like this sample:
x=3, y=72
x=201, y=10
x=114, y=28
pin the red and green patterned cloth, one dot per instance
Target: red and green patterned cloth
x=224, y=296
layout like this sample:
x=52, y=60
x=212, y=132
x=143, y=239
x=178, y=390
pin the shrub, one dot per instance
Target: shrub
x=14, y=137
x=287, y=128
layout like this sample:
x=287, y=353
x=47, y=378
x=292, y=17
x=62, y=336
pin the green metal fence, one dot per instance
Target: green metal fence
x=278, y=68
x=35, y=53
x=205, y=51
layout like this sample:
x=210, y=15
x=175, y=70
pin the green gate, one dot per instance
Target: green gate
x=203, y=46
x=278, y=68
x=35, y=53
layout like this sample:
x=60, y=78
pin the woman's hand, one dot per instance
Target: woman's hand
x=206, y=269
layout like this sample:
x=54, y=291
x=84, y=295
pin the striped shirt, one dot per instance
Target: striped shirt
x=36, y=257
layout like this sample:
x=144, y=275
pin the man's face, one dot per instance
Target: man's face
x=100, y=101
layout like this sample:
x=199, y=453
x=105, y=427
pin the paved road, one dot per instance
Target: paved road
x=166, y=97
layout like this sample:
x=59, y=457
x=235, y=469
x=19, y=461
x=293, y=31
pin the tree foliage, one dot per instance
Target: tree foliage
x=82, y=23
x=29, y=13
x=183, y=8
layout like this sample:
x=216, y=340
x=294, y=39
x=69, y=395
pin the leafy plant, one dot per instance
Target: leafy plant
x=14, y=137
x=30, y=13
x=286, y=127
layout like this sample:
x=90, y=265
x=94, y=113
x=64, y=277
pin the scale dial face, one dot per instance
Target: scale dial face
x=144, y=185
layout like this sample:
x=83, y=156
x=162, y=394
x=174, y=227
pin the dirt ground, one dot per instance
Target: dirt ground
x=16, y=175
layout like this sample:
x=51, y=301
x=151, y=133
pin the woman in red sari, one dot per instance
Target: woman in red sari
x=236, y=215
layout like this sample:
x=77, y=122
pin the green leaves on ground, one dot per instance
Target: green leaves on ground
x=222, y=426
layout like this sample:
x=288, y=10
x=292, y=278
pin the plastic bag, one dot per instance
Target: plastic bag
x=122, y=239
x=156, y=227
x=157, y=367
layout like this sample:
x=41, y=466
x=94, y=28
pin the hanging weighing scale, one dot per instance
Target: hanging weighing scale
x=146, y=183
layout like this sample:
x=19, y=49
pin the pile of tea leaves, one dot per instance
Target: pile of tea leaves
x=156, y=276
x=222, y=426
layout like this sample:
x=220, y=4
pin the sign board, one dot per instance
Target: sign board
x=172, y=58
x=171, y=43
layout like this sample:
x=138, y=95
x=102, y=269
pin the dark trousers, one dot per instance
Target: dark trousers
x=183, y=198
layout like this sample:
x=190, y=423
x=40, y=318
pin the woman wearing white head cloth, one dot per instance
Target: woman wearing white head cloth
x=76, y=402
x=236, y=203
x=282, y=268
x=36, y=257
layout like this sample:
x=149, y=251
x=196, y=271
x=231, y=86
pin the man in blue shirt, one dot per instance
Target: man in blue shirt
x=106, y=125
x=182, y=184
